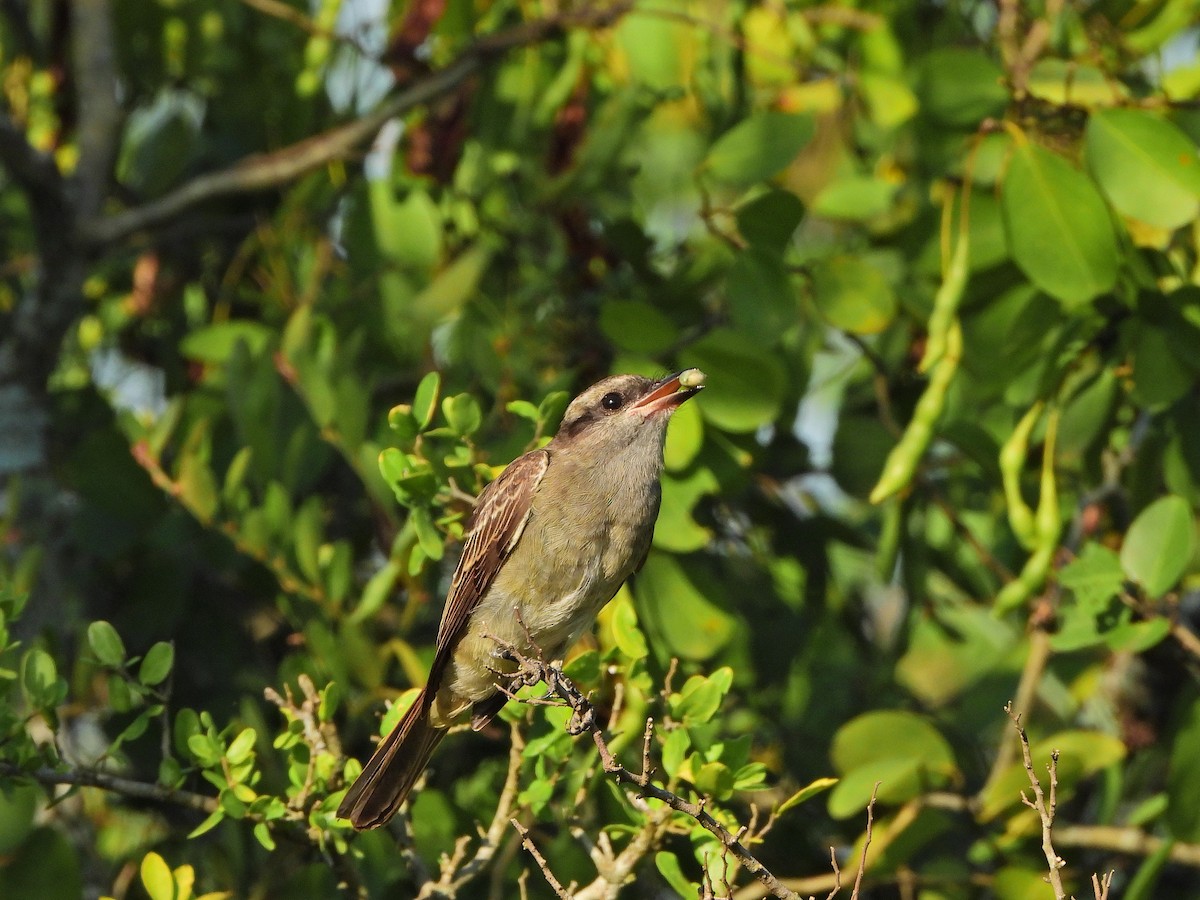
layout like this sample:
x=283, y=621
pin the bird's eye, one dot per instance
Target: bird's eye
x=612, y=401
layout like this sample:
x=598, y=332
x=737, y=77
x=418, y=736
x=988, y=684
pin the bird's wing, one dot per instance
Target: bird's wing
x=500, y=517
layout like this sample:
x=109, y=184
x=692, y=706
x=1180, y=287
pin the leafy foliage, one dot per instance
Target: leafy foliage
x=318, y=273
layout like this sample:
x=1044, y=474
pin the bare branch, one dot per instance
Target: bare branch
x=1100, y=885
x=529, y=845
x=862, y=862
x=1045, y=808
x=271, y=170
x=126, y=787
x=454, y=877
x=584, y=719
x=1125, y=839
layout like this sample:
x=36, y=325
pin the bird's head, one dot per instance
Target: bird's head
x=627, y=409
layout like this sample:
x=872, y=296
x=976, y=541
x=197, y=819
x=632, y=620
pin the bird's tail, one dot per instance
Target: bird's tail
x=393, y=769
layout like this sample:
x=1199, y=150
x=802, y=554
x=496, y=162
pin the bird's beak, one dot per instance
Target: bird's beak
x=670, y=392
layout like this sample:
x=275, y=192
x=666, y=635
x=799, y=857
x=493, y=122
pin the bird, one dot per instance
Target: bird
x=549, y=543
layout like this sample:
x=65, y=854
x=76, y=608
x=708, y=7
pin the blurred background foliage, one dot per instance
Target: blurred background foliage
x=261, y=342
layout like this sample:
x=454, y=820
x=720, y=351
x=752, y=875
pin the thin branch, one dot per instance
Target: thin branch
x=1125, y=839
x=455, y=876
x=837, y=875
x=1043, y=806
x=531, y=847
x=585, y=719
x=1100, y=885
x=862, y=861
x=262, y=172
x=127, y=787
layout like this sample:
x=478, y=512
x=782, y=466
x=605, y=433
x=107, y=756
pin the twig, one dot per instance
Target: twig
x=584, y=720
x=127, y=787
x=531, y=847
x=837, y=875
x=270, y=170
x=1045, y=808
x=862, y=862
x=1125, y=839
x=455, y=877
x=1101, y=884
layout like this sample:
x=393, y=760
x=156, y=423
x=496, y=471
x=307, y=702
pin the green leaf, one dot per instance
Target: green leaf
x=961, y=87
x=425, y=399
x=241, y=747
x=1058, y=226
x=156, y=664
x=626, y=633
x=855, y=198
x=637, y=327
x=810, y=790
x=714, y=779
x=376, y=592
x=214, y=819
x=462, y=413
x=769, y=220
x=1146, y=166
x=682, y=620
x=447, y=292
x=745, y=388
x=700, y=698
x=39, y=677
x=427, y=533
x=106, y=643
x=674, y=750
x=668, y=867
x=262, y=833
x=1158, y=545
x=1159, y=376
x=157, y=877
x=890, y=734
x=853, y=295
x=402, y=421
x=214, y=344
x=1094, y=577
x=685, y=437
x=758, y=147
x=584, y=668
x=762, y=301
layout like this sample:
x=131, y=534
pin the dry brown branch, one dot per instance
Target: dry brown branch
x=271, y=170
x=1101, y=884
x=837, y=875
x=862, y=861
x=1043, y=805
x=457, y=870
x=584, y=719
x=566, y=893
x=321, y=737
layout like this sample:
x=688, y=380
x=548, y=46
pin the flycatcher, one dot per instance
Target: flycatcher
x=550, y=542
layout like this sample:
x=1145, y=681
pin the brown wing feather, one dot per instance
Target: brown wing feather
x=499, y=518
